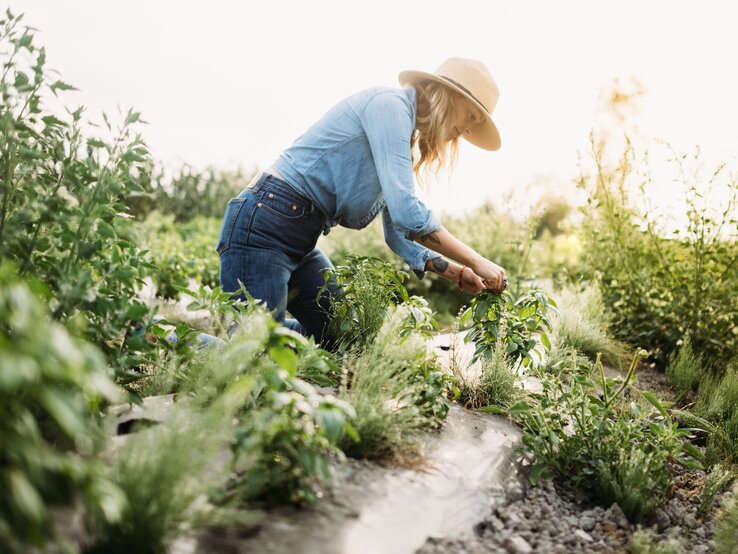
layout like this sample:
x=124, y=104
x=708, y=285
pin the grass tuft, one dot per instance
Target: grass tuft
x=380, y=385
x=583, y=325
x=685, y=370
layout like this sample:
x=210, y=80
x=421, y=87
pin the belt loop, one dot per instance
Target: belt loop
x=258, y=179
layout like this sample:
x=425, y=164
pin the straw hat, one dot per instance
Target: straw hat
x=473, y=80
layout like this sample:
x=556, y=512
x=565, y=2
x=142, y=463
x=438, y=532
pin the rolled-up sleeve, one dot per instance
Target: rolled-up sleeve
x=414, y=254
x=388, y=123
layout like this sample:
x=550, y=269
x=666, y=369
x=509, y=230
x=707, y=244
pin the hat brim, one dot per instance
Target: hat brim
x=485, y=136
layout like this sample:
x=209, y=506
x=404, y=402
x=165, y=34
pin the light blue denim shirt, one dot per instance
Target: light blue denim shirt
x=355, y=162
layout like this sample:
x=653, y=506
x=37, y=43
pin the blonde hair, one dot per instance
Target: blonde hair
x=431, y=151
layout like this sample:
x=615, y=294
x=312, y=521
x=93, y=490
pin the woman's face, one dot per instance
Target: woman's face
x=465, y=117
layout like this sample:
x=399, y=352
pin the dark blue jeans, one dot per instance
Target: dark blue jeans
x=268, y=242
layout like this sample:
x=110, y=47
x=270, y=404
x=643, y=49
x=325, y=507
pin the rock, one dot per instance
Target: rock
x=584, y=535
x=571, y=521
x=615, y=514
x=700, y=532
x=587, y=523
x=690, y=521
x=496, y=524
x=512, y=519
x=662, y=520
x=515, y=492
x=516, y=544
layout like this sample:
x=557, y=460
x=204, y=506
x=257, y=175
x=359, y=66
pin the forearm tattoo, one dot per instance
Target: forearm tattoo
x=430, y=237
x=438, y=265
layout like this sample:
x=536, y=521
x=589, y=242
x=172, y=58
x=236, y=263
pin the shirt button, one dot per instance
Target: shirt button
x=259, y=205
x=271, y=195
x=294, y=207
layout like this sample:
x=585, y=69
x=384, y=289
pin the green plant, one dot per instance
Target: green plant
x=726, y=534
x=643, y=542
x=165, y=473
x=684, y=369
x=396, y=390
x=662, y=285
x=524, y=319
x=51, y=387
x=591, y=435
x=565, y=362
x=286, y=432
x=180, y=252
x=186, y=193
x=368, y=287
x=717, y=482
x=495, y=384
x=61, y=216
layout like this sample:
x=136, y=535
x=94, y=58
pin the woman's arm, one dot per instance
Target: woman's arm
x=445, y=243
x=470, y=281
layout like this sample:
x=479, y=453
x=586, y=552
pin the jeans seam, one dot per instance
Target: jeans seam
x=232, y=226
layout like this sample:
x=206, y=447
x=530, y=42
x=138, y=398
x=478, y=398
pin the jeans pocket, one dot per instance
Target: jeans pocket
x=285, y=205
x=229, y=222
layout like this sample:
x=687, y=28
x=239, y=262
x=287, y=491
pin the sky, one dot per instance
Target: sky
x=233, y=83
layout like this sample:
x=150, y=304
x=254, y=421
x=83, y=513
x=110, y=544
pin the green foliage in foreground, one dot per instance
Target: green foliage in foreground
x=164, y=474
x=51, y=388
x=591, y=434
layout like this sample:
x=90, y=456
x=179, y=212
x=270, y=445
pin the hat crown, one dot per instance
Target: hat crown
x=473, y=77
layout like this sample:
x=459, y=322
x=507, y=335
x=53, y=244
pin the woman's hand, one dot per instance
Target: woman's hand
x=471, y=282
x=493, y=276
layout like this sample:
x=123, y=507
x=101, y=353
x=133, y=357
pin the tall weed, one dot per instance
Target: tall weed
x=661, y=285
x=592, y=435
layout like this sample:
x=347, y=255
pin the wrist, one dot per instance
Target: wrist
x=474, y=262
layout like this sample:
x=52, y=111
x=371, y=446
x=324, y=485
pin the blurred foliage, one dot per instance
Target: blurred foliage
x=52, y=386
x=661, y=287
x=188, y=193
x=180, y=253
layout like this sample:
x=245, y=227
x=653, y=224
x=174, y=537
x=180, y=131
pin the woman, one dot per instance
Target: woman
x=356, y=161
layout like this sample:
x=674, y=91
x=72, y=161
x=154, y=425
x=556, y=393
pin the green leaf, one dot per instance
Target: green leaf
x=654, y=402
x=25, y=496
x=62, y=408
x=537, y=472
x=546, y=341
x=285, y=358
x=132, y=117
x=61, y=85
